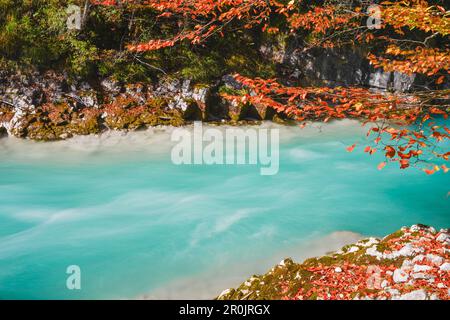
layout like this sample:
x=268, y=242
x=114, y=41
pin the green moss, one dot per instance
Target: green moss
x=394, y=235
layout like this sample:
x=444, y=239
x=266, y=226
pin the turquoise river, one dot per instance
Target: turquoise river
x=139, y=226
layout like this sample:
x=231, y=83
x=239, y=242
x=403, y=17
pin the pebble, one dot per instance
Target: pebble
x=337, y=269
x=407, y=265
x=435, y=259
x=421, y=268
x=445, y=267
x=421, y=275
x=443, y=237
x=418, y=258
x=400, y=276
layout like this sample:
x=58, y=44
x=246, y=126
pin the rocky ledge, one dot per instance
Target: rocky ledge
x=51, y=107
x=410, y=264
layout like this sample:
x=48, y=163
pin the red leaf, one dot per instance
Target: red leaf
x=390, y=152
x=351, y=148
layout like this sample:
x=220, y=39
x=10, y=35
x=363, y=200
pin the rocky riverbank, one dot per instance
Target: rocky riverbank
x=50, y=107
x=410, y=264
x=54, y=106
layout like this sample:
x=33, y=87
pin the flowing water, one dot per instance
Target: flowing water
x=139, y=226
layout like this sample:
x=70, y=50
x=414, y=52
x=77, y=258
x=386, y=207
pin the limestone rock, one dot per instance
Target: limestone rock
x=400, y=276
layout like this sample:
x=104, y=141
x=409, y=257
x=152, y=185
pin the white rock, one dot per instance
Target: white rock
x=434, y=296
x=224, y=292
x=414, y=295
x=384, y=284
x=407, y=265
x=337, y=269
x=400, y=276
x=445, y=267
x=414, y=228
x=418, y=258
x=435, y=259
x=443, y=237
x=421, y=268
x=409, y=250
x=422, y=276
x=371, y=241
x=440, y=285
x=353, y=249
x=392, y=292
x=372, y=251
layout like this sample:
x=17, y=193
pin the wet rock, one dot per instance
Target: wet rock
x=3, y=132
x=192, y=111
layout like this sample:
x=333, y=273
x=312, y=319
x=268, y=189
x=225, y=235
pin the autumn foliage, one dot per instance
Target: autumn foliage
x=401, y=125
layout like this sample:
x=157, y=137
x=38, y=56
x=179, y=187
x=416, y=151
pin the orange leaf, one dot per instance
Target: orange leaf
x=390, y=152
x=351, y=148
x=404, y=163
x=381, y=165
x=440, y=80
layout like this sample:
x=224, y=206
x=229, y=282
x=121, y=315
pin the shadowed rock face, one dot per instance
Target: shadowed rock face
x=410, y=264
x=341, y=67
x=3, y=132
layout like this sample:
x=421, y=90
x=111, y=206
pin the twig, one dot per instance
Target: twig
x=149, y=65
